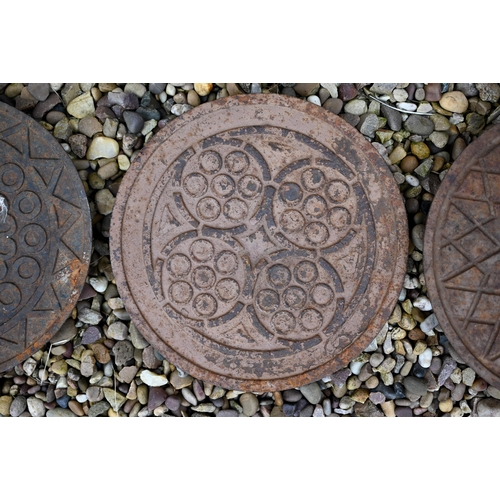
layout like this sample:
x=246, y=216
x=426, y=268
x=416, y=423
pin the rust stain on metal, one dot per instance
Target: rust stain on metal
x=45, y=236
x=259, y=242
x=462, y=255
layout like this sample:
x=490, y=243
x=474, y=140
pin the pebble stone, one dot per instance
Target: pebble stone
x=102, y=147
x=312, y=393
x=249, y=403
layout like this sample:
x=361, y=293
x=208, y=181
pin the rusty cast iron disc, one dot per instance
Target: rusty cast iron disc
x=259, y=242
x=462, y=255
x=45, y=236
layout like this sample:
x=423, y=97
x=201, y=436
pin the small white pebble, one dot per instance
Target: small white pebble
x=412, y=180
x=406, y=106
x=314, y=99
x=425, y=358
x=422, y=303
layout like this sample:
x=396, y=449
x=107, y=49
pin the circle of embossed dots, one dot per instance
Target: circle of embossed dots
x=45, y=236
x=462, y=255
x=259, y=242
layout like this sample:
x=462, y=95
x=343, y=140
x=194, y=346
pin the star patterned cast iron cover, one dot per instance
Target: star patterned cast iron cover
x=462, y=255
x=45, y=236
x=259, y=242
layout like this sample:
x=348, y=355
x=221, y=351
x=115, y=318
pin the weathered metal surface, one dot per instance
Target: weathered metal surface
x=45, y=236
x=259, y=242
x=462, y=255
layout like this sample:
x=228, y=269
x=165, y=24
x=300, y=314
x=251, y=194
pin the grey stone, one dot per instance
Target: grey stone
x=228, y=413
x=117, y=331
x=420, y=125
x=429, y=323
x=157, y=88
x=179, y=109
x=40, y=91
x=60, y=412
x=383, y=88
x=36, y=407
x=67, y=332
x=468, y=89
x=45, y=106
x=356, y=107
x=394, y=119
x=134, y=121
x=89, y=126
x=138, y=341
x=249, y=403
x=123, y=351
x=105, y=202
x=417, y=236
x=18, y=405
x=449, y=364
x=99, y=408
x=489, y=91
x=368, y=124
x=89, y=316
x=312, y=392
x=415, y=385
x=127, y=100
x=488, y=407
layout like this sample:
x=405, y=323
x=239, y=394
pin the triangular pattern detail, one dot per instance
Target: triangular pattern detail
x=457, y=223
x=72, y=238
x=65, y=190
x=48, y=301
x=470, y=279
x=11, y=337
x=45, y=171
x=478, y=210
x=472, y=186
x=62, y=215
x=64, y=258
x=16, y=137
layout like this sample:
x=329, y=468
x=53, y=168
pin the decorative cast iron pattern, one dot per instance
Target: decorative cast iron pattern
x=462, y=250
x=45, y=236
x=258, y=242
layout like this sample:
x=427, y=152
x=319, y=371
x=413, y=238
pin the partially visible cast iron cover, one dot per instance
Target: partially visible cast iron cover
x=462, y=255
x=259, y=242
x=45, y=236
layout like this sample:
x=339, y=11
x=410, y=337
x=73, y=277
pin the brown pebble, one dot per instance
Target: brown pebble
x=438, y=163
x=101, y=353
x=416, y=334
x=193, y=98
x=432, y=92
x=334, y=105
x=234, y=89
x=479, y=385
x=278, y=398
x=76, y=408
x=306, y=89
x=458, y=146
x=180, y=98
x=408, y=164
x=347, y=91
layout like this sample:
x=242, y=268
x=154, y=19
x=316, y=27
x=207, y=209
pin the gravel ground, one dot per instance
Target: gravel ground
x=102, y=366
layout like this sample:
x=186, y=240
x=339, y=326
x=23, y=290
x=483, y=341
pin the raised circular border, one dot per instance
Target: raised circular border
x=392, y=256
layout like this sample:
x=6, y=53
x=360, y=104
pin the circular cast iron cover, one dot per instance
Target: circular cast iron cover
x=45, y=236
x=259, y=242
x=462, y=255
